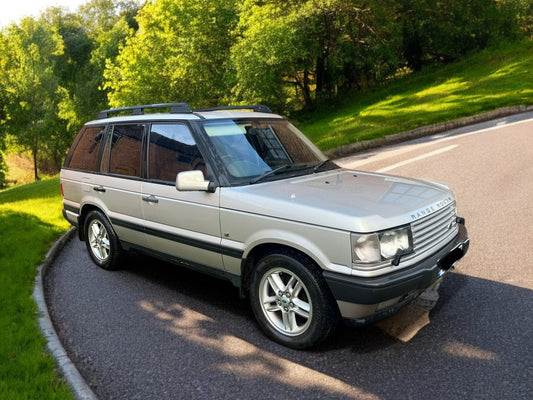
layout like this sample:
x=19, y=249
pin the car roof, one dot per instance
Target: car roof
x=163, y=117
x=180, y=112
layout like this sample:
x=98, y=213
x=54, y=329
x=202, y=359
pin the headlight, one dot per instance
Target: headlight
x=375, y=248
x=366, y=248
x=394, y=242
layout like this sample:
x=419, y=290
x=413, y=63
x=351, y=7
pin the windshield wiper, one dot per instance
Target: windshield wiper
x=285, y=167
x=320, y=165
x=271, y=172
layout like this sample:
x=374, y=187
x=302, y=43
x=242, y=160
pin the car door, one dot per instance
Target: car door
x=117, y=189
x=180, y=225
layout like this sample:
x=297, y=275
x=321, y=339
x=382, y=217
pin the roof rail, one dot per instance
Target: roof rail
x=257, y=108
x=175, y=108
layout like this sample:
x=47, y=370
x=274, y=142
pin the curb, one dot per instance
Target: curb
x=79, y=387
x=347, y=150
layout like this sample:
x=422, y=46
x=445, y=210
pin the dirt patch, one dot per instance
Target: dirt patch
x=20, y=169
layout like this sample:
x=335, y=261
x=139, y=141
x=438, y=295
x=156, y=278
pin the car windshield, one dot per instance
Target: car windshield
x=256, y=149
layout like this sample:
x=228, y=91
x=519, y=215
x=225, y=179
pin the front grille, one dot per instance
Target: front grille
x=435, y=230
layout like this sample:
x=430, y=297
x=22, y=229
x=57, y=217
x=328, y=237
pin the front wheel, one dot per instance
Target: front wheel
x=102, y=242
x=291, y=301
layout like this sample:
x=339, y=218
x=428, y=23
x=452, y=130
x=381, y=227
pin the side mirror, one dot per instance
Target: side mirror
x=194, y=181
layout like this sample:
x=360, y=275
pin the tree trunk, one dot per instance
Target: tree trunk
x=35, y=169
x=306, y=90
x=320, y=66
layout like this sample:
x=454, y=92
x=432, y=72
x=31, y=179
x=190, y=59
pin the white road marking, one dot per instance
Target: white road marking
x=354, y=162
x=415, y=159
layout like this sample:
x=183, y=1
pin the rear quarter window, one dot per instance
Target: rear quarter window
x=84, y=153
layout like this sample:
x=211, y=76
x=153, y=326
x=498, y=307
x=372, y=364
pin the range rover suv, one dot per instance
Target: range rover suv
x=242, y=194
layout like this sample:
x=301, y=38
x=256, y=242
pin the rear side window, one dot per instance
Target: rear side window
x=123, y=152
x=171, y=150
x=84, y=154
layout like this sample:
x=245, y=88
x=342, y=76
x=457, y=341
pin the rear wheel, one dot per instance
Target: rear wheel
x=102, y=241
x=291, y=301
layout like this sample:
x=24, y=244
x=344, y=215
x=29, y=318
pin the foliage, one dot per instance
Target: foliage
x=295, y=54
x=57, y=71
x=179, y=52
x=92, y=37
x=3, y=101
x=31, y=85
x=482, y=82
x=444, y=31
x=290, y=54
x=29, y=214
x=52, y=75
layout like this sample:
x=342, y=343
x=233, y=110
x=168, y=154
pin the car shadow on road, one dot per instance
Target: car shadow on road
x=217, y=296
x=478, y=344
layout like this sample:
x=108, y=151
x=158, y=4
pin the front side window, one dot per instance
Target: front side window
x=252, y=148
x=172, y=150
x=85, y=154
x=123, y=152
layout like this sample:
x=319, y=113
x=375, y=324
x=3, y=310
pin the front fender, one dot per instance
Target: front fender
x=313, y=247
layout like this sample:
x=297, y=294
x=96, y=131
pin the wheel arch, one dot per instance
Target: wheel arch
x=85, y=210
x=261, y=250
x=323, y=313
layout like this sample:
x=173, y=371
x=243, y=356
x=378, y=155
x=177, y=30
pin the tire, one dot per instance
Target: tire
x=102, y=242
x=291, y=300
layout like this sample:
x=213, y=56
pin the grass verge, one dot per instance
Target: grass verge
x=483, y=82
x=31, y=221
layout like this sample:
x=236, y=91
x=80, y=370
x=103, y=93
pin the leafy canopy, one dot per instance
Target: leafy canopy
x=179, y=52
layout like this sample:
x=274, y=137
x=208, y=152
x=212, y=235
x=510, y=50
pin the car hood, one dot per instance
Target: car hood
x=341, y=199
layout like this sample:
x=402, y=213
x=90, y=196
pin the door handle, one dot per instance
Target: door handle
x=150, y=199
x=100, y=189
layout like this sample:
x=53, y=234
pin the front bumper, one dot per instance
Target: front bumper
x=368, y=299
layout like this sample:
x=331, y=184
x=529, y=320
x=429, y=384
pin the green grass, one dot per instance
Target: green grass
x=30, y=221
x=483, y=82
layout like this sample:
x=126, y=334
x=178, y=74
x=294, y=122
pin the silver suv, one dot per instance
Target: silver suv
x=242, y=194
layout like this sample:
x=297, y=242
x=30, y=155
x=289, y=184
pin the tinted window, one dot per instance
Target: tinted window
x=125, y=150
x=84, y=155
x=171, y=150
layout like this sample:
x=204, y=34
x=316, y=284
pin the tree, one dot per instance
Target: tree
x=179, y=52
x=3, y=105
x=57, y=71
x=444, y=31
x=52, y=74
x=108, y=23
x=91, y=38
x=269, y=55
x=293, y=53
x=30, y=85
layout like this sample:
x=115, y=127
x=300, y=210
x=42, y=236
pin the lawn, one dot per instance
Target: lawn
x=483, y=82
x=31, y=221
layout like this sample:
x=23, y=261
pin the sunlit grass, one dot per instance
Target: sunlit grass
x=30, y=221
x=483, y=82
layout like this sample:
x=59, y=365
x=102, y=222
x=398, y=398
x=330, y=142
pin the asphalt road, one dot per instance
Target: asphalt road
x=155, y=331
